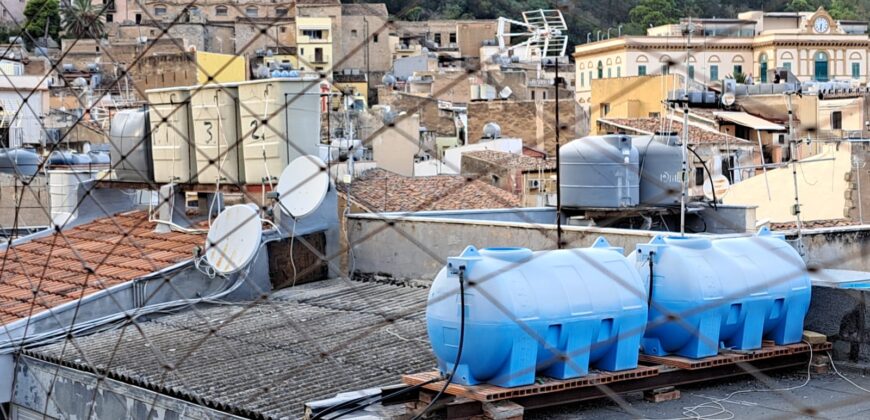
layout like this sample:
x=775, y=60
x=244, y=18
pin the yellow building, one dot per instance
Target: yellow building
x=282, y=59
x=812, y=45
x=629, y=97
x=314, y=43
x=222, y=68
x=352, y=84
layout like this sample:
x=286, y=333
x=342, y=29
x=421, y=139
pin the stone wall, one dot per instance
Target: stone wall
x=858, y=200
x=532, y=121
x=31, y=202
x=430, y=116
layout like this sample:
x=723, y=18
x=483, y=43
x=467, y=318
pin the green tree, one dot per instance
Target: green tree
x=37, y=15
x=843, y=9
x=649, y=13
x=84, y=19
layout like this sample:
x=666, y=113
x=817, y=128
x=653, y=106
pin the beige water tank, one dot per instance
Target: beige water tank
x=215, y=112
x=171, y=139
x=279, y=121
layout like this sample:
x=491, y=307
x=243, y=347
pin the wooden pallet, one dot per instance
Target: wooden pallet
x=488, y=393
x=727, y=357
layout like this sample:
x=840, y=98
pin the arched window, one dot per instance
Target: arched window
x=762, y=67
x=821, y=66
x=600, y=70
x=220, y=11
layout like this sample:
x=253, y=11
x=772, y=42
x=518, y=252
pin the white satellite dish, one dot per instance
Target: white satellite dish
x=719, y=183
x=233, y=238
x=303, y=186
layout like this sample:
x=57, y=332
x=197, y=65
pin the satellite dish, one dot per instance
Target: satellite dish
x=719, y=183
x=728, y=99
x=303, y=186
x=233, y=238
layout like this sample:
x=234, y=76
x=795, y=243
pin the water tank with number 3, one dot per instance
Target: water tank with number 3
x=554, y=312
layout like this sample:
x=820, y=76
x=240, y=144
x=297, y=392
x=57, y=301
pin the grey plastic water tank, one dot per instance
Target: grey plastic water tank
x=128, y=133
x=599, y=172
x=661, y=160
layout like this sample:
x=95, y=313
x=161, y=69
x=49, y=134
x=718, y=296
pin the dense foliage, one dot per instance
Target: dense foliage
x=40, y=15
x=585, y=16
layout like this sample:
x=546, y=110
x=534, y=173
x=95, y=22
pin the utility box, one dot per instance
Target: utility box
x=215, y=113
x=279, y=121
x=172, y=145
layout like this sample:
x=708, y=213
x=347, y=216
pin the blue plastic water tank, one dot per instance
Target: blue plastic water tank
x=729, y=293
x=555, y=312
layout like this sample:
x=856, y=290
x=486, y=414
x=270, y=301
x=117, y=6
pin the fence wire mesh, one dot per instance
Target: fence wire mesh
x=265, y=355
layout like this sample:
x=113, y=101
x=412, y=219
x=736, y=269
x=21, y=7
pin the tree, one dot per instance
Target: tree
x=37, y=15
x=84, y=19
x=650, y=13
x=843, y=10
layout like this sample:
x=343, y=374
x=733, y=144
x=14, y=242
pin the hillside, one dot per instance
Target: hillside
x=584, y=16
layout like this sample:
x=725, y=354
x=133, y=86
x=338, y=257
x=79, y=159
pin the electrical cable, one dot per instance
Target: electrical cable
x=842, y=376
x=354, y=401
x=459, y=348
x=709, y=175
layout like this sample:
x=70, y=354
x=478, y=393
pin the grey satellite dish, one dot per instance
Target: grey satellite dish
x=233, y=238
x=303, y=186
x=389, y=80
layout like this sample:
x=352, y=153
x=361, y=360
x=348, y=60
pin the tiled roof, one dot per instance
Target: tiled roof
x=62, y=267
x=364, y=9
x=379, y=190
x=266, y=359
x=513, y=160
x=697, y=135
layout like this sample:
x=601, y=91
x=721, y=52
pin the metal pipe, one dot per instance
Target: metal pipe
x=588, y=37
x=619, y=31
x=598, y=35
x=558, y=186
x=608, y=32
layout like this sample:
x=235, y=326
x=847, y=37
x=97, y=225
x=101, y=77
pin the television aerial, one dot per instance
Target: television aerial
x=303, y=185
x=544, y=33
x=233, y=238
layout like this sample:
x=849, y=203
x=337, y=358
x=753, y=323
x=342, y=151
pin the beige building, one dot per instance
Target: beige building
x=812, y=45
x=456, y=38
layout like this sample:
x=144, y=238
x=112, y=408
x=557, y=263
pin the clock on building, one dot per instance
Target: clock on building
x=820, y=25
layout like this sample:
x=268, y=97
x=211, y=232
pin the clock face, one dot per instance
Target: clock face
x=821, y=25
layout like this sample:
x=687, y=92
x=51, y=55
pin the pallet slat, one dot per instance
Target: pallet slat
x=488, y=392
x=728, y=357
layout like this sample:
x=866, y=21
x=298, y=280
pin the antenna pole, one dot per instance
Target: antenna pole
x=792, y=148
x=558, y=186
x=685, y=148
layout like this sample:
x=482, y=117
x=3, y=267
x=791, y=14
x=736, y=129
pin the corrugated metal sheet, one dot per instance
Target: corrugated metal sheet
x=267, y=359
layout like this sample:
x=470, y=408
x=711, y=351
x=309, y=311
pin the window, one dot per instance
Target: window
x=375, y=38
x=582, y=79
x=544, y=95
x=666, y=69
x=691, y=72
x=159, y=11
x=353, y=33
x=318, y=55
x=714, y=72
x=655, y=114
x=762, y=67
x=699, y=176
x=738, y=69
x=605, y=109
x=312, y=33
x=281, y=12
x=283, y=29
x=856, y=70
x=787, y=65
x=220, y=11
x=600, y=70
x=619, y=72
x=453, y=37
x=438, y=39
x=837, y=120
x=821, y=67
x=641, y=70
x=609, y=75
x=251, y=12
x=110, y=5
x=110, y=18
x=138, y=18
x=533, y=95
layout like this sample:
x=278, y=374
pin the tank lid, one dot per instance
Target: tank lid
x=507, y=253
x=688, y=242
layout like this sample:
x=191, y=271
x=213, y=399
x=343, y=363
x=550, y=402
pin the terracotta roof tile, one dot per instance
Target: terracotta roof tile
x=384, y=191
x=513, y=160
x=697, y=135
x=61, y=268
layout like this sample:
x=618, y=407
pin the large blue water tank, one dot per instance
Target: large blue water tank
x=730, y=293
x=554, y=312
